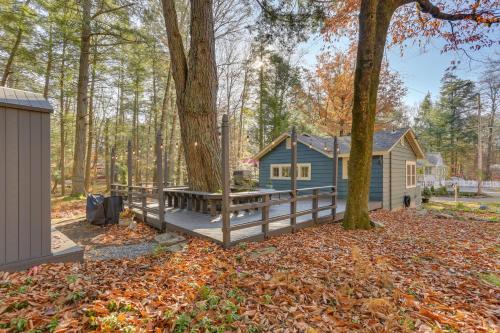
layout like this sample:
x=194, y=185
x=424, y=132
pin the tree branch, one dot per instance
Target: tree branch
x=175, y=45
x=480, y=17
x=110, y=10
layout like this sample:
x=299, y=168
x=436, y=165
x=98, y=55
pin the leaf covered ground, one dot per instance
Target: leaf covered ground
x=419, y=273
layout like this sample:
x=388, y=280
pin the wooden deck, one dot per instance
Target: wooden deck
x=207, y=227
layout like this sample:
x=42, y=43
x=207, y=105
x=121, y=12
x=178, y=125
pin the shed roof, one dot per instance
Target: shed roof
x=383, y=141
x=24, y=100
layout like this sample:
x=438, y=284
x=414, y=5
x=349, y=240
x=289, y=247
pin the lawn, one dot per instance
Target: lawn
x=487, y=211
x=418, y=273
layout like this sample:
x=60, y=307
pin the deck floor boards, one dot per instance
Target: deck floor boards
x=208, y=227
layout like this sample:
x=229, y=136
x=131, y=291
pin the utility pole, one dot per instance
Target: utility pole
x=479, y=148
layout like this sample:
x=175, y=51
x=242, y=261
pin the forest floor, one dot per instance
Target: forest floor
x=422, y=272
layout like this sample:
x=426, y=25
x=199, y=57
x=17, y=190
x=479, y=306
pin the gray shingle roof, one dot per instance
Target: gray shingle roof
x=382, y=141
x=25, y=100
x=434, y=159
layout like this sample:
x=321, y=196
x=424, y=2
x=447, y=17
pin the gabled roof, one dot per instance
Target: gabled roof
x=24, y=100
x=433, y=159
x=383, y=141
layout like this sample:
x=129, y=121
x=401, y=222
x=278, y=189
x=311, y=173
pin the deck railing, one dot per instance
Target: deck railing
x=292, y=197
x=227, y=203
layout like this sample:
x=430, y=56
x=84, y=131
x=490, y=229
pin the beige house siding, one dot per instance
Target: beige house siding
x=395, y=177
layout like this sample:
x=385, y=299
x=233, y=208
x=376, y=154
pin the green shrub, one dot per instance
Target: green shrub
x=426, y=193
x=442, y=191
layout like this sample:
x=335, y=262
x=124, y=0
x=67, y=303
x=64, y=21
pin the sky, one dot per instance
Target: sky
x=420, y=70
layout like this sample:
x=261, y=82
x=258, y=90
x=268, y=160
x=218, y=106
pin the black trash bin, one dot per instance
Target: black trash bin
x=95, y=213
x=113, y=206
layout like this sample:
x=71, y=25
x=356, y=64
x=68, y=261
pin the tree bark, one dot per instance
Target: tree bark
x=242, y=108
x=10, y=60
x=91, y=134
x=48, y=69
x=78, y=186
x=491, y=123
x=170, y=152
x=374, y=19
x=135, y=131
x=62, y=111
x=12, y=55
x=107, y=157
x=196, y=88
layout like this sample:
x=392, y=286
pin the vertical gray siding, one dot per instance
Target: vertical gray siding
x=386, y=182
x=395, y=177
x=2, y=186
x=12, y=187
x=24, y=185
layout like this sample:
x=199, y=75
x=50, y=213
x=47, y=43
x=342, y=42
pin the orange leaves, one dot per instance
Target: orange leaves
x=417, y=274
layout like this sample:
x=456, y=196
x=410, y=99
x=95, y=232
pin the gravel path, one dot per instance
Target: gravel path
x=120, y=251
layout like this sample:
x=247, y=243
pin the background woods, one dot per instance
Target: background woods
x=120, y=70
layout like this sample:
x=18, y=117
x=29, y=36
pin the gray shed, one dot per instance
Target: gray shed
x=25, y=228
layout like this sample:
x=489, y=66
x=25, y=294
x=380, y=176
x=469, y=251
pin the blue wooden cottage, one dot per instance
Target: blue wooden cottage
x=395, y=153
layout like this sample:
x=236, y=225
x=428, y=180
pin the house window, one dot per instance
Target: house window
x=411, y=175
x=276, y=172
x=283, y=171
x=288, y=143
x=304, y=172
x=428, y=170
x=345, y=167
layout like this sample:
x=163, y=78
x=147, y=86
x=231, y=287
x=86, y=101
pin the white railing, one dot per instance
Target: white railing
x=461, y=183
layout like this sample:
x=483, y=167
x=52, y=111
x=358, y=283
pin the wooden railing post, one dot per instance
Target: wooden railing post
x=265, y=215
x=165, y=164
x=129, y=173
x=334, y=176
x=112, y=171
x=226, y=232
x=293, y=178
x=315, y=205
x=144, y=202
x=160, y=182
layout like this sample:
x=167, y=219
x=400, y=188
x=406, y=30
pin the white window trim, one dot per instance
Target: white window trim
x=345, y=167
x=281, y=165
x=288, y=143
x=412, y=177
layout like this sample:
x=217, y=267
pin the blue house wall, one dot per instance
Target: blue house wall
x=321, y=170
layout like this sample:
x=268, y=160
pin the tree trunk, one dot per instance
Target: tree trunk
x=491, y=123
x=374, y=19
x=135, y=131
x=12, y=55
x=93, y=176
x=91, y=134
x=62, y=111
x=261, y=95
x=107, y=156
x=48, y=69
x=179, y=180
x=196, y=87
x=10, y=60
x=78, y=186
x=170, y=151
x=240, y=122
